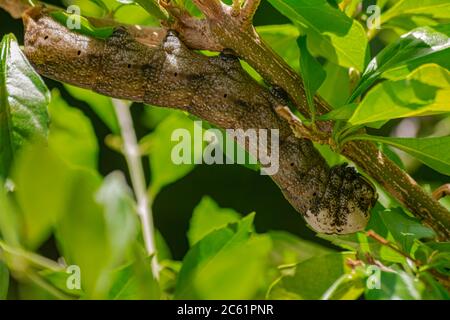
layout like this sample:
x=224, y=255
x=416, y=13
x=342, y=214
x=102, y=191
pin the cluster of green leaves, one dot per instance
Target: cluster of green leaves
x=408, y=78
x=50, y=186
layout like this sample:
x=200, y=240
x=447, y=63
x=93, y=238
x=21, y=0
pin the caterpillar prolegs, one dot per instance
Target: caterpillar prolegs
x=166, y=73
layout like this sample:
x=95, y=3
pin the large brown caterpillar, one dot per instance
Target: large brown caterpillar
x=166, y=73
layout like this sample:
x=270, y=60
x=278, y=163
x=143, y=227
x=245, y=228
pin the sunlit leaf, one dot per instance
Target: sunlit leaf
x=432, y=8
x=431, y=151
x=404, y=228
x=289, y=249
x=152, y=7
x=71, y=134
x=331, y=33
x=243, y=264
x=82, y=234
x=11, y=228
x=120, y=214
x=86, y=27
x=304, y=283
x=213, y=251
x=313, y=74
x=207, y=217
x=397, y=285
x=282, y=39
x=400, y=58
x=42, y=183
x=23, y=103
x=336, y=88
x=135, y=281
x=164, y=170
x=101, y=105
x=426, y=91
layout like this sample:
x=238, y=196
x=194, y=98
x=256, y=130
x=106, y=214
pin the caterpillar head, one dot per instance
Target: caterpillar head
x=344, y=207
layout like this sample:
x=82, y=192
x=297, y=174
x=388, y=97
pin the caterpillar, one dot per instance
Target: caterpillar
x=165, y=73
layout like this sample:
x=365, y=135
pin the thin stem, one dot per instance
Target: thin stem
x=133, y=158
x=372, y=234
x=249, y=10
x=441, y=192
x=32, y=258
x=442, y=279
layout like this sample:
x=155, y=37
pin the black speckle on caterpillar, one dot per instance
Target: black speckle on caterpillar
x=216, y=89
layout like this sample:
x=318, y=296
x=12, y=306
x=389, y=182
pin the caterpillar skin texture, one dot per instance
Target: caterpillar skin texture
x=216, y=89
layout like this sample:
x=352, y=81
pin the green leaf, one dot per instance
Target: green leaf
x=440, y=261
x=10, y=220
x=431, y=151
x=304, y=284
x=289, y=249
x=101, y=105
x=312, y=73
x=282, y=39
x=399, y=59
x=41, y=186
x=23, y=103
x=86, y=28
x=405, y=229
x=208, y=217
x=162, y=248
x=71, y=134
x=101, y=5
x=4, y=281
x=164, y=170
x=434, y=290
x=397, y=285
x=58, y=279
x=239, y=272
x=152, y=7
x=331, y=33
x=135, y=281
x=120, y=214
x=209, y=253
x=336, y=87
x=403, y=24
x=347, y=287
x=342, y=113
x=352, y=7
x=426, y=91
x=82, y=234
x=333, y=158
x=433, y=8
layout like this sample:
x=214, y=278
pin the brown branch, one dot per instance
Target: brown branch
x=216, y=89
x=222, y=30
x=372, y=234
x=231, y=33
x=248, y=11
x=441, y=192
x=236, y=8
